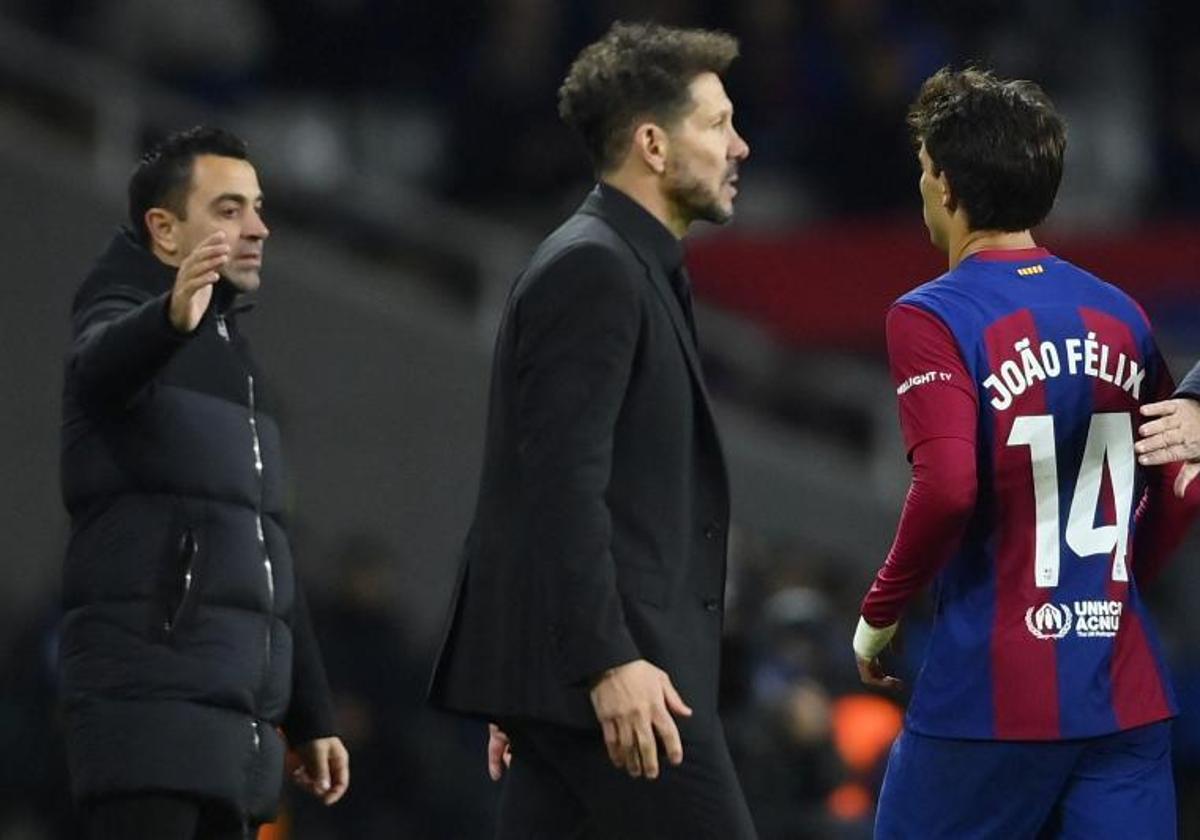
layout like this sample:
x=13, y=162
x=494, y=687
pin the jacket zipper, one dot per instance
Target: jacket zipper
x=268, y=569
x=256, y=450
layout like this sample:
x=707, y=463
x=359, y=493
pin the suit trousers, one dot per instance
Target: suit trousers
x=562, y=786
x=163, y=816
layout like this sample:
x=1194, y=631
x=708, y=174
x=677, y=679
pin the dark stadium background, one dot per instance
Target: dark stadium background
x=411, y=156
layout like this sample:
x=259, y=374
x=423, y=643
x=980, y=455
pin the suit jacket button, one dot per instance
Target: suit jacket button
x=711, y=532
x=712, y=605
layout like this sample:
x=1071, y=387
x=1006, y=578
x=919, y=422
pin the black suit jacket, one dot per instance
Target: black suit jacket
x=600, y=532
x=1190, y=386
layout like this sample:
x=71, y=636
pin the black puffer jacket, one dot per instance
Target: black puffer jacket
x=185, y=633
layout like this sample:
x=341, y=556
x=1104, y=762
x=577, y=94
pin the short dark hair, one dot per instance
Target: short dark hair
x=999, y=142
x=164, y=174
x=636, y=70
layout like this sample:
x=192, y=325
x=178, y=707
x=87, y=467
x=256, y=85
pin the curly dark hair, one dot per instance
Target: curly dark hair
x=636, y=70
x=164, y=174
x=999, y=142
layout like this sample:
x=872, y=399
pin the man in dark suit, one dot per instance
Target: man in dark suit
x=588, y=613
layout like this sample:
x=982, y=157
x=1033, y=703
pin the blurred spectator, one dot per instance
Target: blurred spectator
x=820, y=84
x=509, y=146
x=861, y=61
x=810, y=755
x=788, y=764
x=1177, y=88
x=370, y=47
x=214, y=51
x=35, y=799
x=766, y=84
x=417, y=774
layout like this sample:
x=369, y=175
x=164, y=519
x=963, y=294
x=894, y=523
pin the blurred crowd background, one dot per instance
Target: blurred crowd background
x=412, y=156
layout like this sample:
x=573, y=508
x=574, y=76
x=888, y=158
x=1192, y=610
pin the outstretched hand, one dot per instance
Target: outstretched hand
x=194, y=281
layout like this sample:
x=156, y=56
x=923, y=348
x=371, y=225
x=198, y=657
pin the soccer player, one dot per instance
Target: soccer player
x=1043, y=705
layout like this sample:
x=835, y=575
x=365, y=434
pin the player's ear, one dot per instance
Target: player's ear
x=162, y=225
x=946, y=192
x=651, y=145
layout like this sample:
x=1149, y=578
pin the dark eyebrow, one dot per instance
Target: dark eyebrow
x=237, y=198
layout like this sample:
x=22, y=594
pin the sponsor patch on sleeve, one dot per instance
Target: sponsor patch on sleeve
x=917, y=380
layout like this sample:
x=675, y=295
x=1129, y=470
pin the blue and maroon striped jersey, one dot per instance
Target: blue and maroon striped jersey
x=1039, y=630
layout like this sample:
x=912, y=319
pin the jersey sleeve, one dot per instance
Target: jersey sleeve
x=938, y=418
x=937, y=509
x=935, y=395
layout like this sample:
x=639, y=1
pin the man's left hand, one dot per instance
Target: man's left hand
x=322, y=767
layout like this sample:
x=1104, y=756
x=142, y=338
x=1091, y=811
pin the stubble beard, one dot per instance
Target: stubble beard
x=692, y=198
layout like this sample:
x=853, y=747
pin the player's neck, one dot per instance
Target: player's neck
x=974, y=241
x=647, y=191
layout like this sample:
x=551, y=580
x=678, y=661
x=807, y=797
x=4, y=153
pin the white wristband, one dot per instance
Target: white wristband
x=869, y=641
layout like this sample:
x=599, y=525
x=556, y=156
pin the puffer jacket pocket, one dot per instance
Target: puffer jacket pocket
x=179, y=584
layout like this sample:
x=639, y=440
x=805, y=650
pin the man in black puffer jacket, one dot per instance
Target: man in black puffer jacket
x=186, y=645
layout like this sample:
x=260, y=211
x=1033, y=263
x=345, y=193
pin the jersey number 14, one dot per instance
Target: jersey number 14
x=1109, y=441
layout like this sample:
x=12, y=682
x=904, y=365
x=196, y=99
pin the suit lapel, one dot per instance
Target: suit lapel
x=666, y=294
x=594, y=206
